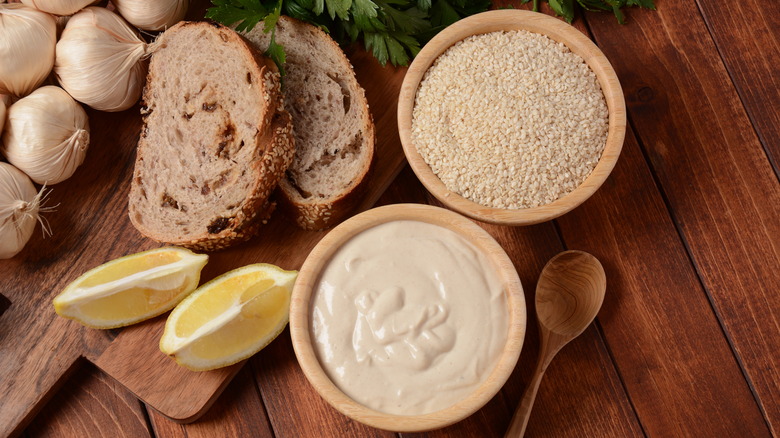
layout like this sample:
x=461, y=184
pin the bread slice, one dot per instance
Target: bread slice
x=334, y=132
x=215, y=141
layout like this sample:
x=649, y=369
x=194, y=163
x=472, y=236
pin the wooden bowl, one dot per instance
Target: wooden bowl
x=508, y=19
x=306, y=285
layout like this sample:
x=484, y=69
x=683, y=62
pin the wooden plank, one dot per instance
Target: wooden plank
x=91, y=404
x=238, y=412
x=294, y=407
x=490, y=421
x=582, y=395
x=748, y=40
x=37, y=345
x=134, y=359
x=723, y=192
x=667, y=343
x=568, y=386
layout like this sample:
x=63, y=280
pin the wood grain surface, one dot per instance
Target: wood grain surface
x=93, y=405
x=569, y=295
x=687, y=227
x=748, y=42
x=238, y=412
x=721, y=189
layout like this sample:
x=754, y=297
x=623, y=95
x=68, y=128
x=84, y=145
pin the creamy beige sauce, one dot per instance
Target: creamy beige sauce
x=409, y=318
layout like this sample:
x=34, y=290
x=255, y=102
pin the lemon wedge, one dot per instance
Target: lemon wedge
x=132, y=288
x=229, y=318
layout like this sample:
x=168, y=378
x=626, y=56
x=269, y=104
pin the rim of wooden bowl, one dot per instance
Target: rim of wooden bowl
x=555, y=29
x=308, y=279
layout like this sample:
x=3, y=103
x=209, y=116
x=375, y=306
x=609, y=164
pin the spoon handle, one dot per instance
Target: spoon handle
x=523, y=413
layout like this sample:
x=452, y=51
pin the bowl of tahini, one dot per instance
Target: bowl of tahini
x=511, y=117
x=407, y=317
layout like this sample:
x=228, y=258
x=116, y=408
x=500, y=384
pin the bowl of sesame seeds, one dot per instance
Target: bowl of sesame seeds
x=511, y=117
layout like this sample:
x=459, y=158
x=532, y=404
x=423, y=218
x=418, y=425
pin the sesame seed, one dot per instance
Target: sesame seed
x=510, y=119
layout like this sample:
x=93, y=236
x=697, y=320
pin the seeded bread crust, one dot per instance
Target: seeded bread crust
x=334, y=130
x=178, y=194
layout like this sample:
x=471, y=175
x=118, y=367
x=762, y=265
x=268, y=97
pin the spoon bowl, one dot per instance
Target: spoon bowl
x=569, y=294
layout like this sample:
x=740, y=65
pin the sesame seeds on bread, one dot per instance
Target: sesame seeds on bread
x=334, y=132
x=215, y=142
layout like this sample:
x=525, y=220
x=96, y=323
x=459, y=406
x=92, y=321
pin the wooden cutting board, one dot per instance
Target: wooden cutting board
x=38, y=349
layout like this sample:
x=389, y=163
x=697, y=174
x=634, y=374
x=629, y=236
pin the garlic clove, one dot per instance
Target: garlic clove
x=100, y=60
x=19, y=209
x=59, y=7
x=152, y=14
x=25, y=31
x=47, y=135
x=2, y=114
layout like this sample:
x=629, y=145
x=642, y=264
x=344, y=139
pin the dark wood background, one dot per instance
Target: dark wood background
x=688, y=230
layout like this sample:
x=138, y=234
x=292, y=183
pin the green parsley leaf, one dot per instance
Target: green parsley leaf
x=398, y=55
x=409, y=21
x=270, y=20
x=642, y=3
x=564, y=8
x=376, y=44
x=423, y=5
x=276, y=53
x=230, y=12
x=364, y=9
x=338, y=8
x=443, y=14
x=319, y=7
x=594, y=5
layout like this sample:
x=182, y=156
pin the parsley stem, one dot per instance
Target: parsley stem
x=536, y=5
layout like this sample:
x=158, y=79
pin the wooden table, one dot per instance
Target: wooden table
x=688, y=230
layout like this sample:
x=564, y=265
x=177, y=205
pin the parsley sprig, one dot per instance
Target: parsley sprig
x=565, y=8
x=393, y=30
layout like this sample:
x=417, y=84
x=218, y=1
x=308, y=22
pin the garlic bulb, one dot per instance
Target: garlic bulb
x=59, y=7
x=47, y=135
x=152, y=14
x=2, y=114
x=19, y=208
x=27, y=39
x=100, y=60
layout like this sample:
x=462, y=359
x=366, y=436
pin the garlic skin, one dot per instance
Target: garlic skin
x=27, y=41
x=2, y=115
x=19, y=207
x=47, y=135
x=59, y=7
x=152, y=14
x=101, y=60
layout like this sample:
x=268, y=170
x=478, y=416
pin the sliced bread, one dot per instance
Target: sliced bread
x=215, y=141
x=334, y=132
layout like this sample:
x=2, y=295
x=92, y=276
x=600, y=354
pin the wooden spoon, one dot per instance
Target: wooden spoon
x=568, y=297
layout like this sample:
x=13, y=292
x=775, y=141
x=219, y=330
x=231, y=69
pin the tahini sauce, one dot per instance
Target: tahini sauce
x=409, y=318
